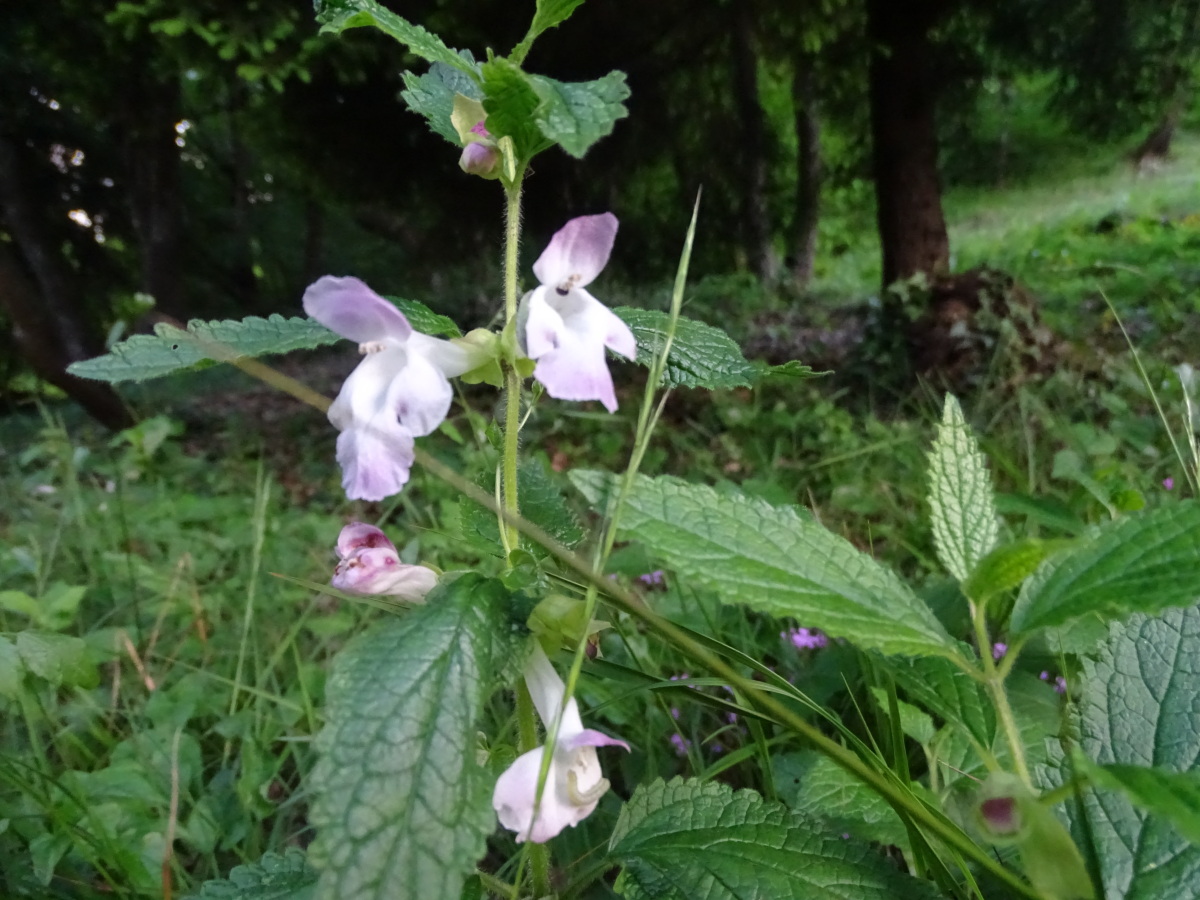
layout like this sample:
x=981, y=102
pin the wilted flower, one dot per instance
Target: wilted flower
x=398, y=392
x=574, y=783
x=566, y=328
x=369, y=564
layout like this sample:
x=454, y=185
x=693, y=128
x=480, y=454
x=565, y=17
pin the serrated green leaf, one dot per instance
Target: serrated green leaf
x=11, y=669
x=1006, y=567
x=1138, y=708
x=961, y=496
x=401, y=807
x=701, y=356
x=171, y=349
x=1173, y=796
x=816, y=786
x=424, y=319
x=949, y=693
x=775, y=560
x=692, y=840
x=914, y=722
x=286, y=876
x=59, y=659
x=542, y=503
x=336, y=16
x=511, y=103
x=551, y=13
x=1143, y=563
x=432, y=95
x=576, y=115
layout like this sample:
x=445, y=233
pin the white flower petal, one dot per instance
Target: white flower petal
x=543, y=325
x=420, y=395
x=375, y=457
x=577, y=252
x=379, y=571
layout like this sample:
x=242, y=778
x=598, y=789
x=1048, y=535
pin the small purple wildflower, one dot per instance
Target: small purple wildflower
x=681, y=744
x=999, y=649
x=805, y=638
x=1169, y=483
x=731, y=718
x=674, y=712
x=1060, y=683
x=717, y=747
x=652, y=579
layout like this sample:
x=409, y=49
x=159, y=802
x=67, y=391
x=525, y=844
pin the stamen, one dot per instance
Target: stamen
x=371, y=347
x=591, y=795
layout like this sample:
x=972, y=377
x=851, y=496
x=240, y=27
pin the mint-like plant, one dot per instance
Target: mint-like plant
x=412, y=779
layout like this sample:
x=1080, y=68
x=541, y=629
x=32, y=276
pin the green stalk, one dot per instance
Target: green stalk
x=512, y=378
x=994, y=680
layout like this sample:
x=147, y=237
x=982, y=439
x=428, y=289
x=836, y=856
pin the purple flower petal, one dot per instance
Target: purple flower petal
x=379, y=571
x=420, y=395
x=577, y=252
x=350, y=308
x=361, y=536
x=589, y=737
x=479, y=159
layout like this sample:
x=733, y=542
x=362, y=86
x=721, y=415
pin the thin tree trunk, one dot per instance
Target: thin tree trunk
x=756, y=230
x=809, y=171
x=35, y=334
x=155, y=189
x=912, y=228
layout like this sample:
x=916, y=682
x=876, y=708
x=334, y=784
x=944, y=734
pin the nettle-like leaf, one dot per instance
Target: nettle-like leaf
x=693, y=840
x=1007, y=566
x=171, y=349
x=701, y=355
x=11, y=669
x=432, y=95
x=1142, y=563
x=511, y=104
x=336, y=16
x=1173, y=796
x=402, y=808
x=551, y=13
x=425, y=320
x=1139, y=708
x=286, y=876
x=813, y=784
x=60, y=659
x=542, y=503
x=948, y=692
x=773, y=559
x=576, y=115
x=961, y=496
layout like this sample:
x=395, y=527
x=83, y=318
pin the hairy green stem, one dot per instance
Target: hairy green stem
x=994, y=679
x=512, y=378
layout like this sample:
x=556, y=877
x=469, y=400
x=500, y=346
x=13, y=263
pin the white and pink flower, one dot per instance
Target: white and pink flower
x=399, y=392
x=368, y=563
x=566, y=328
x=574, y=783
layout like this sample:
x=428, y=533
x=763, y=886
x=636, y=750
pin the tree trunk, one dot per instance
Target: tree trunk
x=35, y=332
x=756, y=229
x=808, y=171
x=908, y=192
x=155, y=190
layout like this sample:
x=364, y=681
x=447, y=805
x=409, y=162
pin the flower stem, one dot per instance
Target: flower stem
x=512, y=378
x=994, y=679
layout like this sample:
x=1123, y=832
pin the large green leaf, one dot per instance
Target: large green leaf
x=693, y=840
x=947, y=691
x=424, y=319
x=336, y=16
x=1174, y=796
x=1142, y=563
x=11, y=669
x=815, y=785
x=701, y=356
x=58, y=658
x=576, y=115
x=773, y=559
x=432, y=95
x=274, y=877
x=402, y=808
x=171, y=349
x=1139, y=708
x=961, y=496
